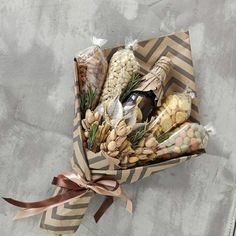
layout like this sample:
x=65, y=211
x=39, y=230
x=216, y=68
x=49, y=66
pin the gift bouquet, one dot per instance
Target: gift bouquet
x=129, y=122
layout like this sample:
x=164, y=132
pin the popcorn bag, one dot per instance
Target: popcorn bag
x=135, y=115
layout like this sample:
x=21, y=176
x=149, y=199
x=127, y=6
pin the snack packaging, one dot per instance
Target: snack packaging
x=91, y=69
x=175, y=110
x=154, y=80
x=121, y=67
x=148, y=91
x=188, y=138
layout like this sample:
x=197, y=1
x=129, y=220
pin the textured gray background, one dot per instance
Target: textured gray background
x=38, y=40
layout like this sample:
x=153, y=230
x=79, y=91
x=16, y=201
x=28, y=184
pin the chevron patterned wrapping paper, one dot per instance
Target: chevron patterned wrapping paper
x=65, y=219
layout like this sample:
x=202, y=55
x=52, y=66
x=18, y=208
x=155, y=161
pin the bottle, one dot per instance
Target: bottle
x=145, y=102
x=149, y=92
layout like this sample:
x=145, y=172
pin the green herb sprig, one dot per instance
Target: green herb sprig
x=134, y=82
x=135, y=136
x=92, y=136
x=86, y=100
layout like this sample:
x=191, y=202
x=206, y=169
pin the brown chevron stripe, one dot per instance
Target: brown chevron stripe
x=136, y=175
x=76, y=206
x=95, y=159
x=80, y=156
x=183, y=79
x=193, y=119
x=118, y=175
x=145, y=50
x=186, y=54
x=56, y=216
x=183, y=35
x=64, y=229
x=178, y=54
x=195, y=108
x=171, y=81
x=128, y=180
x=143, y=43
x=183, y=72
x=150, y=53
x=180, y=41
x=101, y=165
x=168, y=88
x=142, y=173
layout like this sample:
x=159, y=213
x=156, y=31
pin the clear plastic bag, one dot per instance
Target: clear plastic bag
x=121, y=67
x=175, y=110
x=91, y=68
x=189, y=138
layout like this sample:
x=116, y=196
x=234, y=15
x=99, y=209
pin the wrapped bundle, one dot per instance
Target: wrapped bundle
x=186, y=139
x=110, y=147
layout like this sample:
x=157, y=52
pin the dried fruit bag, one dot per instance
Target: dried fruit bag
x=186, y=139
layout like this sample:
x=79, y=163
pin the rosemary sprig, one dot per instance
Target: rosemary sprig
x=92, y=135
x=161, y=138
x=135, y=136
x=87, y=99
x=134, y=81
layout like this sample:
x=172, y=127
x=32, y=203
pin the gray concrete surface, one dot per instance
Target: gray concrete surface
x=38, y=40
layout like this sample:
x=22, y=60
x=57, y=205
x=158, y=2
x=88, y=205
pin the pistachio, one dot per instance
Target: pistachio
x=120, y=140
x=103, y=146
x=151, y=142
x=86, y=134
x=133, y=159
x=121, y=131
x=113, y=154
x=112, y=135
x=139, y=151
x=84, y=124
x=111, y=146
x=97, y=116
x=147, y=151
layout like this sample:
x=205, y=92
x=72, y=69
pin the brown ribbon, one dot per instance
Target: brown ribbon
x=75, y=186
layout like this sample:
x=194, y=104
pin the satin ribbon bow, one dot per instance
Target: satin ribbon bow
x=75, y=186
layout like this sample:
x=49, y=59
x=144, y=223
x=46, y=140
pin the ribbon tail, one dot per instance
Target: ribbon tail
x=103, y=208
x=35, y=211
x=29, y=212
x=129, y=204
